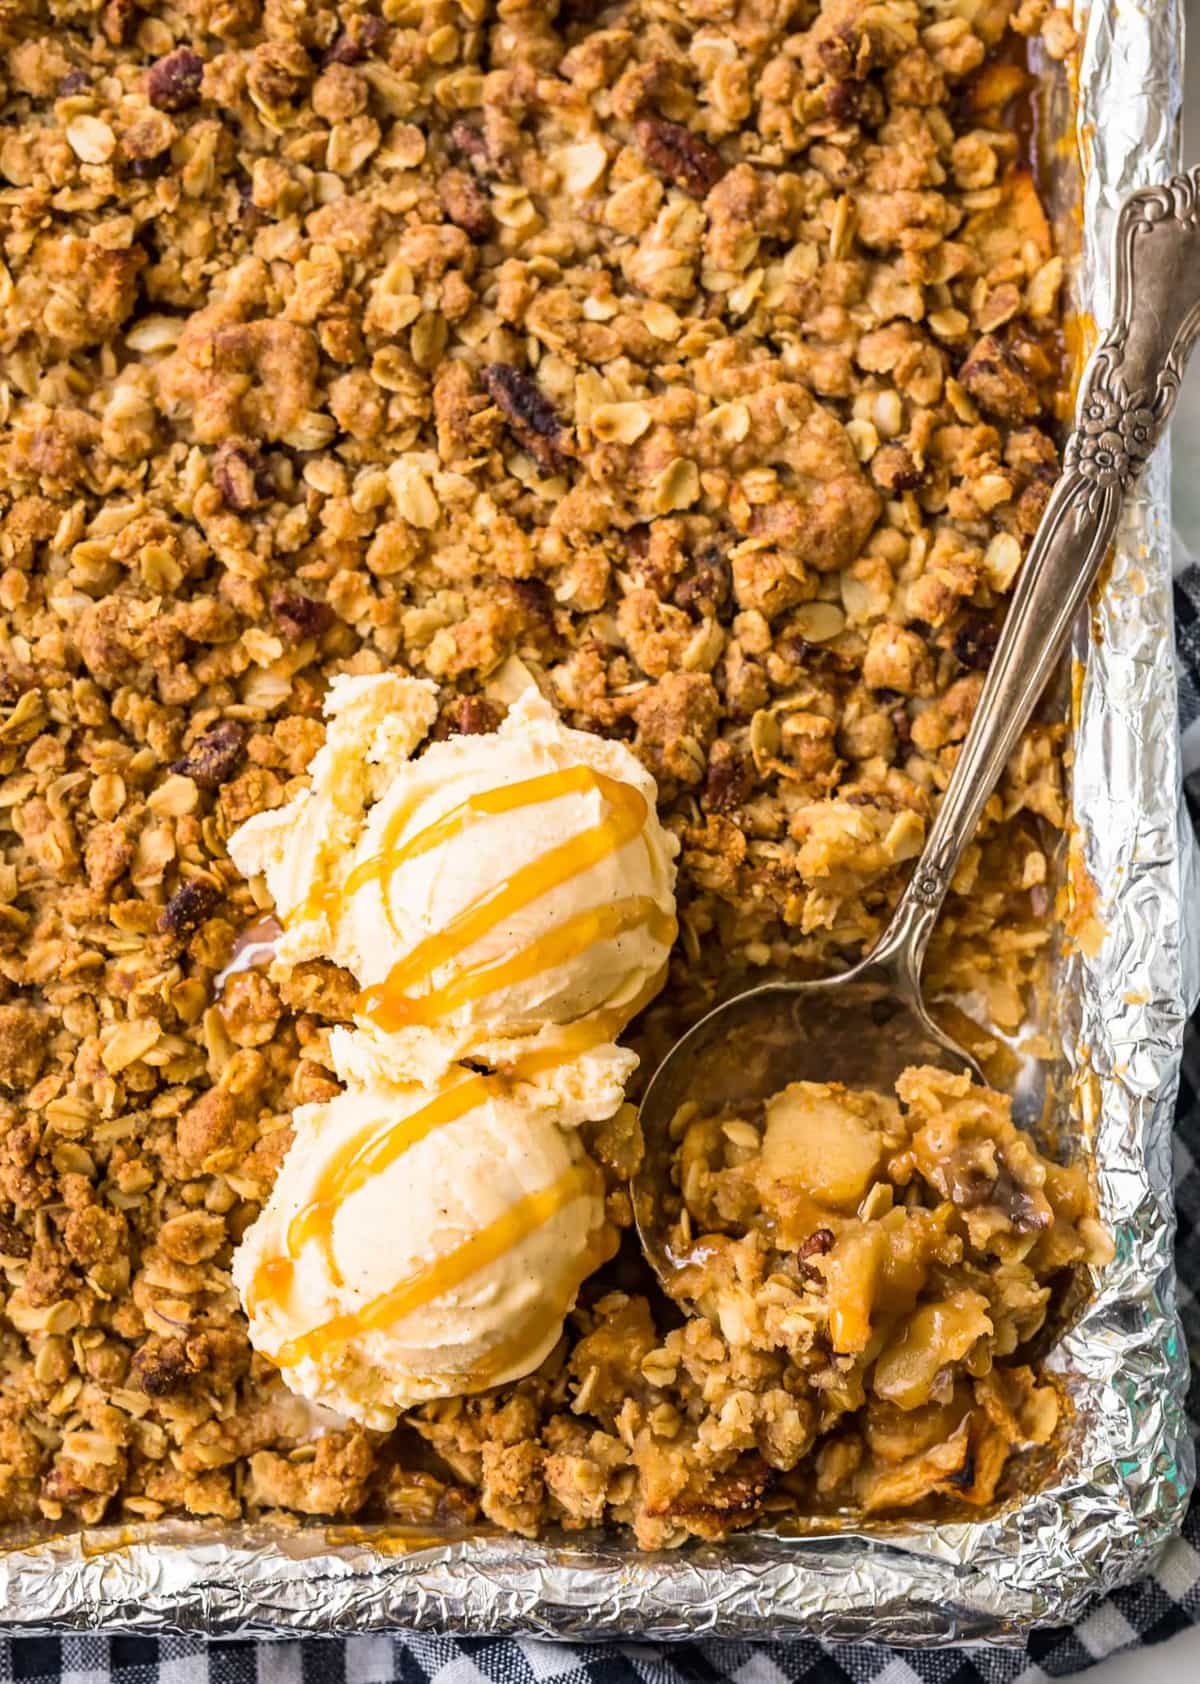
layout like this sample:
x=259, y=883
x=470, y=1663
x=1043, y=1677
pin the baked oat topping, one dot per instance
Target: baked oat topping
x=705, y=357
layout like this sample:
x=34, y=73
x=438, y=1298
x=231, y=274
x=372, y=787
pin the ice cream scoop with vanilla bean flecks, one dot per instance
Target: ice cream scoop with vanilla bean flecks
x=505, y=904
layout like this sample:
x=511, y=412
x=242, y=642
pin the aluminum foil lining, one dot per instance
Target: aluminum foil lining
x=1122, y=1485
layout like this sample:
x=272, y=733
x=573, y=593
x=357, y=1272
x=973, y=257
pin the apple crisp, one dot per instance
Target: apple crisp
x=704, y=355
x=874, y=1261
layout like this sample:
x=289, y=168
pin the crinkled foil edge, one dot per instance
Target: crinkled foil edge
x=1124, y=1479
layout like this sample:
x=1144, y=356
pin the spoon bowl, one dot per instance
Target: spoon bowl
x=861, y=1029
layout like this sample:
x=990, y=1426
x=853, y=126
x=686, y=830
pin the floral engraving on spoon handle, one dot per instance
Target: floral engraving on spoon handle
x=1116, y=434
x=1119, y=423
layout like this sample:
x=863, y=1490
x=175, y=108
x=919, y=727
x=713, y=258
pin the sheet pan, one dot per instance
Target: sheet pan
x=1121, y=1484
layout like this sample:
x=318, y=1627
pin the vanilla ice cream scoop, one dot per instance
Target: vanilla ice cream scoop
x=420, y=1243
x=509, y=897
x=491, y=888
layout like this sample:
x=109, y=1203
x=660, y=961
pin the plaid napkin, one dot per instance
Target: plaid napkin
x=1146, y=1613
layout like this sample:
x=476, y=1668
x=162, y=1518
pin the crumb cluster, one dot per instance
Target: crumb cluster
x=703, y=353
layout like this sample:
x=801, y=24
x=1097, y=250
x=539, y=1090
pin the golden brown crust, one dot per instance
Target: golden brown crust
x=704, y=355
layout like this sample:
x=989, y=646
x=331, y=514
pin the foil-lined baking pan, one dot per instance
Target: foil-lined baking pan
x=1121, y=1482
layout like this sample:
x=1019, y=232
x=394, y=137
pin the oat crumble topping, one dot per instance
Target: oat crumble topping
x=705, y=354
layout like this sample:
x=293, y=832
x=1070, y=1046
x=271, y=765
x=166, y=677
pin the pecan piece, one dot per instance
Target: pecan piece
x=467, y=716
x=249, y=215
x=189, y=906
x=212, y=757
x=975, y=643
x=534, y=599
x=160, y=1367
x=469, y=143
x=355, y=43
x=173, y=82
x=705, y=587
x=969, y=1185
x=729, y=780
x=466, y=204
x=13, y=1241
x=844, y=100
x=240, y=476
x=816, y=1245
x=855, y=48
x=725, y=1500
x=301, y=616
x=997, y=382
x=1031, y=504
x=530, y=415
x=680, y=156
x=1029, y=1211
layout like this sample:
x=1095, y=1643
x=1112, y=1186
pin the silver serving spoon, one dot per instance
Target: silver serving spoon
x=865, y=1026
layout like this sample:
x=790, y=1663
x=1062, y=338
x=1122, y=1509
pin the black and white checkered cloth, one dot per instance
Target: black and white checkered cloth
x=1146, y=1613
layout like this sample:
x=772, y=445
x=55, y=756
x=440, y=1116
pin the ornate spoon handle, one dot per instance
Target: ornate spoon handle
x=1125, y=399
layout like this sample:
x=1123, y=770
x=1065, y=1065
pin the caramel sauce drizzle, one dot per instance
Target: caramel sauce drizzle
x=393, y=1005
x=591, y=1031
x=368, y=1155
x=391, y=1008
x=272, y=1282
x=445, y=1273
x=364, y=1155
x=327, y=896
